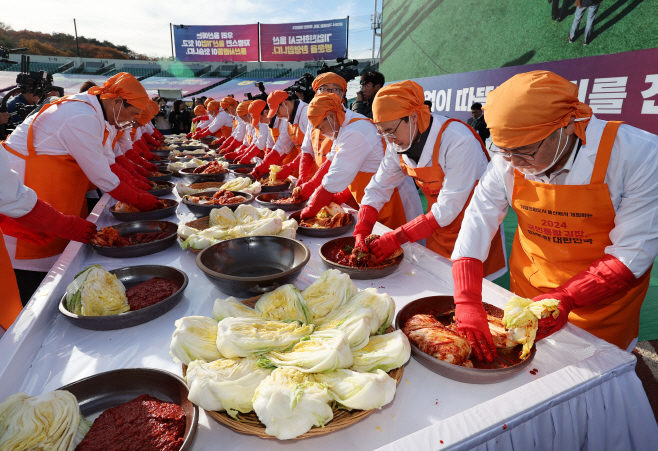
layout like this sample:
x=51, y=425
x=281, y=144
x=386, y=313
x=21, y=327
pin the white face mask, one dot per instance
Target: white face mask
x=334, y=133
x=397, y=148
x=558, y=155
x=125, y=125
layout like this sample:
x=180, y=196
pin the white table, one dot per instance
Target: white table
x=585, y=394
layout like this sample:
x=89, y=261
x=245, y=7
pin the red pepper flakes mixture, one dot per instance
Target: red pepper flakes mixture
x=150, y=292
x=144, y=424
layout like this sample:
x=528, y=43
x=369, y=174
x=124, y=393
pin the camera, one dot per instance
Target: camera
x=345, y=68
x=261, y=96
x=304, y=86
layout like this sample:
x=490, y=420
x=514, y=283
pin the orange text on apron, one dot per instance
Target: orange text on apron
x=58, y=180
x=430, y=181
x=562, y=230
x=10, y=306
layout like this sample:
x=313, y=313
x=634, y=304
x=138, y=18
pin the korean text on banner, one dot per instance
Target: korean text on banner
x=216, y=42
x=304, y=41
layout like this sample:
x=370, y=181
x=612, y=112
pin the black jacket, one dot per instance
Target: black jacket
x=179, y=121
x=363, y=107
x=480, y=126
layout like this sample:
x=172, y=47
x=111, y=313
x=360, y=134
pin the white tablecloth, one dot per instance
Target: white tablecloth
x=585, y=395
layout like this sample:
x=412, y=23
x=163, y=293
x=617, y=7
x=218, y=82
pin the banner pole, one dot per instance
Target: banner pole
x=347, y=39
x=171, y=33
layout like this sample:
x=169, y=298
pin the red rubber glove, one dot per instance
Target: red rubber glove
x=125, y=163
x=226, y=143
x=234, y=146
x=143, y=201
x=604, y=278
x=200, y=118
x=202, y=133
x=150, y=156
x=343, y=197
x=149, y=140
x=320, y=199
x=140, y=147
x=418, y=228
x=285, y=171
x=221, y=139
x=188, y=136
x=135, y=158
x=12, y=228
x=305, y=162
x=308, y=188
x=365, y=221
x=127, y=177
x=157, y=133
x=469, y=311
x=273, y=157
x=231, y=155
x=249, y=154
x=44, y=218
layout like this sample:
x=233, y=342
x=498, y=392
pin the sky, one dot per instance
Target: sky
x=143, y=25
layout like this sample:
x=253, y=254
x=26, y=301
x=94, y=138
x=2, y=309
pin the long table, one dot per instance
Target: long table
x=585, y=394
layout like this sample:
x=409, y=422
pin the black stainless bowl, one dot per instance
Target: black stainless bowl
x=131, y=276
x=265, y=200
x=158, y=162
x=207, y=139
x=144, y=215
x=139, y=250
x=184, y=147
x=276, y=188
x=249, y=166
x=161, y=153
x=249, y=266
x=438, y=305
x=166, y=175
x=356, y=273
x=190, y=177
x=103, y=391
x=204, y=210
x=162, y=191
x=322, y=233
x=244, y=172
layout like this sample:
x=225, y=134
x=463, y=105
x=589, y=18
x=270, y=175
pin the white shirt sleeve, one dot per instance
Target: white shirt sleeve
x=263, y=133
x=388, y=177
x=149, y=128
x=307, y=143
x=284, y=144
x=16, y=199
x=349, y=156
x=222, y=120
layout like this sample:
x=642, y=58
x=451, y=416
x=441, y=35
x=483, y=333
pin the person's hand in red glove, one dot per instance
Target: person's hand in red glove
x=126, y=193
x=365, y=221
x=189, y=135
x=308, y=188
x=418, y=228
x=145, y=186
x=231, y=155
x=469, y=312
x=320, y=198
x=285, y=171
x=251, y=152
x=305, y=161
x=343, y=197
x=12, y=228
x=604, y=278
x=44, y=218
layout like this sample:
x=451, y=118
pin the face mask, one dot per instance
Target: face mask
x=125, y=125
x=558, y=155
x=334, y=133
x=397, y=148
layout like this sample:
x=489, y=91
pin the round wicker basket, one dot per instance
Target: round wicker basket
x=250, y=424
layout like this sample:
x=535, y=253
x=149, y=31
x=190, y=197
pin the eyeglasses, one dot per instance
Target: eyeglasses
x=330, y=90
x=510, y=155
x=391, y=134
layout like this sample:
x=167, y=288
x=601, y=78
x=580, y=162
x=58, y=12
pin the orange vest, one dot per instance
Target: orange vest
x=58, y=180
x=562, y=230
x=430, y=181
x=297, y=138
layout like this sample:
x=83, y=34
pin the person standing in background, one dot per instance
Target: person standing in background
x=160, y=120
x=179, y=117
x=371, y=82
x=592, y=7
x=477, y=121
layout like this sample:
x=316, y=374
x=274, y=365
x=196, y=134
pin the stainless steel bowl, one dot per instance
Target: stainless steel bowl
x=204, y=210
x=161, y=178
x=184, y=147
x=250, y=266
x=161, y=153
x=265, y=201
x=139, y=250
x=190, y=177
x=100, y=392
x=322, y=233
x=356, y=273
x=161, y=192
x=277, y=188
x=131, y=276
x=438, y=305
x=244, y=172
x=144, y=215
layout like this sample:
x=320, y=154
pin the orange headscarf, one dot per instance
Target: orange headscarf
x=321, y=105
x=124, y=86
x=243, y=108
x=148, y=113
x=274, y=100
x=399, y=100
x=199, y=110
x=530, y=106
x=207, y=101
x=255, y=108
x=228, y=102
x=329, y=77
x=213, y=105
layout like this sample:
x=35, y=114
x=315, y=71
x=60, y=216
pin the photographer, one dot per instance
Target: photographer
x=179, y=118
x=26, y=98
x=371, y=82
x=160, y=120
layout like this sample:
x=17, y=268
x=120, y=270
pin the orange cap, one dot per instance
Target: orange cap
x=399, y=100
x=199, y=110
x=243, y=108
x=329, y=77
x=274, y=100
x=321, y=105
x=207, y=101
x=148, y=113
x=530, y=106
x=213, y=105
x=255, y=108
x=228, y=102
x=124, y=86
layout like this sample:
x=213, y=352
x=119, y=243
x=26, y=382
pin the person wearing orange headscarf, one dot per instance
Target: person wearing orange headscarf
x=355, y=156
x=586, y=195
x=236, y=139
x=59, y=153
x=221, y=125
x=201, y=118
x=258, y=111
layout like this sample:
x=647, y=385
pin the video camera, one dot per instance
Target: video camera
x=261, y=96
x=344, y=68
